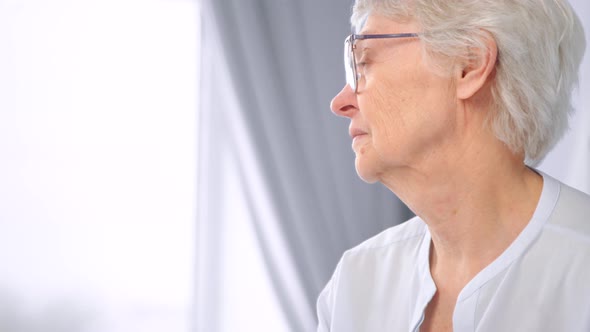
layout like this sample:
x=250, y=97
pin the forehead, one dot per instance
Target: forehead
x=376, y=24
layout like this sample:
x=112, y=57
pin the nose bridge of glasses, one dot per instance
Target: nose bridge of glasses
x=350, y=63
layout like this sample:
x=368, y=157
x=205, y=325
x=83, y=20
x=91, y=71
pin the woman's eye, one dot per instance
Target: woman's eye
x=361, y=65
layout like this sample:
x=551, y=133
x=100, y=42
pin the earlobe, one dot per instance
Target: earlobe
x=477, y=70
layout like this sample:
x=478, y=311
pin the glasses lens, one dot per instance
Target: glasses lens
x=349, y=66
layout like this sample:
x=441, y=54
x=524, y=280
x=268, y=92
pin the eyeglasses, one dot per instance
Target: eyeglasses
x=352, y=76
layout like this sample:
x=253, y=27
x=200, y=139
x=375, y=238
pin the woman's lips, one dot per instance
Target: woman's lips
x=356, y=135
x=355, y=132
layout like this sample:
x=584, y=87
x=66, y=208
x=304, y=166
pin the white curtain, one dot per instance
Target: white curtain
x=570, y=160
x=279, y=200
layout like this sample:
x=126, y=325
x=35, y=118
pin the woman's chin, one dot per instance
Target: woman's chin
x=365, y=172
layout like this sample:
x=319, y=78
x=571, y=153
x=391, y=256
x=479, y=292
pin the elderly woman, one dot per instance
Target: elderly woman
x=449, y=101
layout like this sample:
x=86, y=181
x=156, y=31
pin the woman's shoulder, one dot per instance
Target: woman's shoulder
x=411, y=231
x=356, y=297
x=572, y=212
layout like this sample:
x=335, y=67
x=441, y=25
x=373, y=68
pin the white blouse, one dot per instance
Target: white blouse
x=541, y=282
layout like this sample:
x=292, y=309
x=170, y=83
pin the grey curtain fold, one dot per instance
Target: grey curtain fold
x=282, y=62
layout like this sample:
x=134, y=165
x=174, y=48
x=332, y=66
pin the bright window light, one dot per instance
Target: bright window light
x=98, y=162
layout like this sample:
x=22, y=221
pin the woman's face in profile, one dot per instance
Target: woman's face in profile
x=402, y=111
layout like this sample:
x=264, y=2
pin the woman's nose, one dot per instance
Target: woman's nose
x=344, y=103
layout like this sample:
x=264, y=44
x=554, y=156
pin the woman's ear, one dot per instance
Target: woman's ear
x=472, y=75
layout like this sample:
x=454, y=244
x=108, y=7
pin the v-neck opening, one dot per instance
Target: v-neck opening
x=543, y=210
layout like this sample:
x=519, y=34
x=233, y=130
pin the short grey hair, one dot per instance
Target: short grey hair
x=540, y=47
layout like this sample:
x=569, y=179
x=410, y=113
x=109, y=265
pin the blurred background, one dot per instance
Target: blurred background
x=98, y=138
x=173, y=165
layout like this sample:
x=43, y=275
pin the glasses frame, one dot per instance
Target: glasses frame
x=350, y=59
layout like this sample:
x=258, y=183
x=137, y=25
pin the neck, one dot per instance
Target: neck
x=474, y=202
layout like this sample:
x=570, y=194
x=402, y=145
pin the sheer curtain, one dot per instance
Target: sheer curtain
x=279, y=200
